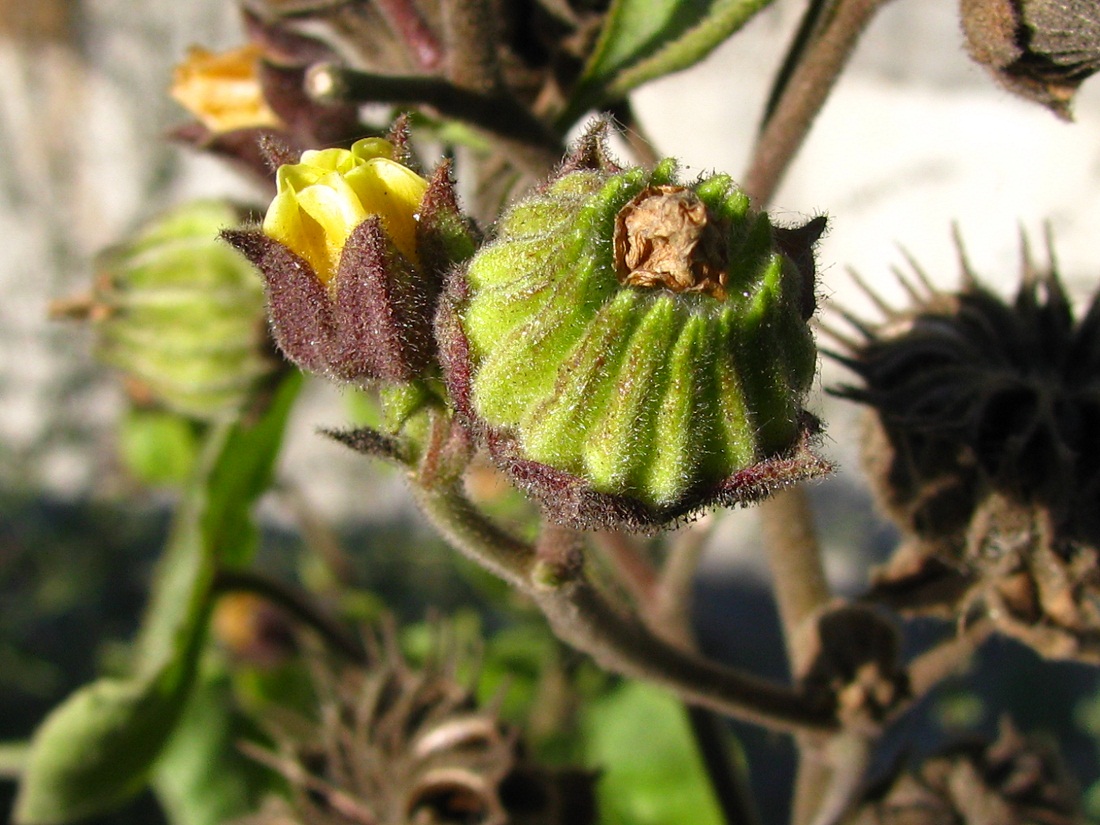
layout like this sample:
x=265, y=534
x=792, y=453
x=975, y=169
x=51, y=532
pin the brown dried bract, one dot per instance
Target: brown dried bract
x=665, y=237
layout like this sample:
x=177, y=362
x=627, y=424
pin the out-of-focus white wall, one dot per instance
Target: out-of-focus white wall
x=915, y=137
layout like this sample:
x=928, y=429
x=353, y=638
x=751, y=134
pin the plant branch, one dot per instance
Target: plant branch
x=797, y=572
x=581, y=616
x=818, y=55
x=934, y=665
x=470, y=33
x=524, y=138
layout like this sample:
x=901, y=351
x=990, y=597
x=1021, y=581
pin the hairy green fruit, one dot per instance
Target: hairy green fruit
x=634, y=348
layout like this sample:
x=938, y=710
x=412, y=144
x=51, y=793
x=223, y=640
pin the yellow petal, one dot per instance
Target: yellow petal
x=223, y=90
x=393, y=192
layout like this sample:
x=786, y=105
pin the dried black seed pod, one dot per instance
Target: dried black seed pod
x=1012, y=781
x=1040, y=49
x=397, y=745
x=984, y=447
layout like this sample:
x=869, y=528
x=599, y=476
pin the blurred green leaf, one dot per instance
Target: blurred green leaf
x=642, y=40
x=651, y=774
x=94, y=751
x=243, y=471
x=97, y=748
x=158, y=448
x=13, y=758
x=201, y=777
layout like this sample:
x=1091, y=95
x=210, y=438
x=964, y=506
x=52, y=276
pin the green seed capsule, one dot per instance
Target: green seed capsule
x=640, y=342
x=183, y=313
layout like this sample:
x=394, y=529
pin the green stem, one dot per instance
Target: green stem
x=581, y=616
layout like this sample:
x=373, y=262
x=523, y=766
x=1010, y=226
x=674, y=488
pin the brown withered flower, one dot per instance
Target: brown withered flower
x=1039, y=49
x=984, y=447
x=1012, y=781
x=402, y=745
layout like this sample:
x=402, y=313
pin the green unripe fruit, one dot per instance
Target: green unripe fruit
x=183, y=313
x=638, y=341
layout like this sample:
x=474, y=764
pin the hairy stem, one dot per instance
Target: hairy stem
x=819, y=54
x=581, y=616
x=797, y=572
x=470, y=33
x=517, y=132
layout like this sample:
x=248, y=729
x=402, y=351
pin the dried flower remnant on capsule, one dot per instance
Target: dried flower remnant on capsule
x=321, y=200
x=222, y=90
x=632, y=348
x=666, y=237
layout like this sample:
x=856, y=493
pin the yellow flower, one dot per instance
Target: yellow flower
x=325, y=196
x=223, y=90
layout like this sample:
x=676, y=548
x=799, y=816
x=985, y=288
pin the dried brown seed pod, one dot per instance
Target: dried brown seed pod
x=984, y=448
x=398, y=745
x=1040, y=49
x=1012, y=781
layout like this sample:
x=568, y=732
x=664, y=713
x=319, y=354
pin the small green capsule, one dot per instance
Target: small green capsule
x=183, y=313
x=631, y=344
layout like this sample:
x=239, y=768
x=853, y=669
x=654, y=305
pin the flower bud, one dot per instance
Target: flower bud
x=183, y=314
x=348, y=293
x=633, y=348
x=223, y=90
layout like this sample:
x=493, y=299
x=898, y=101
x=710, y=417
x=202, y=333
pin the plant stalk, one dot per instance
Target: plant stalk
x=819, y=54
x=581, y=616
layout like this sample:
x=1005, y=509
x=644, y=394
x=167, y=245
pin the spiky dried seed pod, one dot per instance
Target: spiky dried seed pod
x=984, y=447
x=1012, y=781
x=398, y=745
x=633, y=348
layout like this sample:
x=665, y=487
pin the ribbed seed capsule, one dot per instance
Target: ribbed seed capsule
x=634, y=348
x=183, y=313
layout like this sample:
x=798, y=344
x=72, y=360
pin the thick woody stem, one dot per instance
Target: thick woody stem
x=582, y=617
x=824, y=43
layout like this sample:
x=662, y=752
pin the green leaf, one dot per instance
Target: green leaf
x=642, y=40
x=201, y=777
x=214, y=525
x=651, y=774
x=97, y=748
x=242, y=473
x=94, y=751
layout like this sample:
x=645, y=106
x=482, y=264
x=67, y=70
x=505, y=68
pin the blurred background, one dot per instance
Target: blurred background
x=915, y=139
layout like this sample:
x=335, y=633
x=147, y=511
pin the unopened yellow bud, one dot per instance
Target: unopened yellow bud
x=329, y=192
